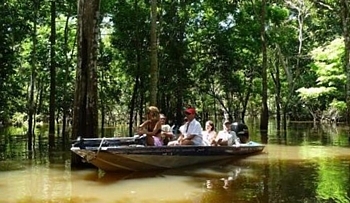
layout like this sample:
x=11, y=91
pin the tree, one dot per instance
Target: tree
x=31, y=94
x=85, y=116
x=154, y=55
x=345, y=16
x=264, y=119
x=52, y=75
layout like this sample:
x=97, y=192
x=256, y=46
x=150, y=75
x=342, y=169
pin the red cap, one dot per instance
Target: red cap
x=191, y=110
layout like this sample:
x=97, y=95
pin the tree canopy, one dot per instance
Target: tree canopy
x=222, y=57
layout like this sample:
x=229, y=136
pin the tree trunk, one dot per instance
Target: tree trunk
x=246, y=98
x=66, y=104
x=52, y=76
x=85, y=115
x=346, y=34
x=85, y=120
x=31, y=100
x=264, y=119
x=102, y=105
x=302, y=12
x=132, y=115
x=133, y=105
x=154, y=57
x=278, y=92
x=64, y=125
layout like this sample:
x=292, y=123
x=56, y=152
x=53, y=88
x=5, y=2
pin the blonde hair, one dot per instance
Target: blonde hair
x=153, y=113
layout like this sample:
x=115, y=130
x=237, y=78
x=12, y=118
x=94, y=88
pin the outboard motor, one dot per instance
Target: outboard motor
x=241, y=131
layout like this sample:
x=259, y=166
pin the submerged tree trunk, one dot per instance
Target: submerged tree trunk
x=66, y=111
x=85, y=120
x=154, y=56
x=246, y=98
x=277, y=82
x=302, y=13
x=31, y=93
x=132, y=114
x=264, y=119
x=346, y=34
x=278, y=98
x=85, y=115
x=133, y=105
x=52, y=76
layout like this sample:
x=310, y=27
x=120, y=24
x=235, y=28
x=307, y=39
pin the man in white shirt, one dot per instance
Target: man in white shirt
x=226, y=137
x=191, y=133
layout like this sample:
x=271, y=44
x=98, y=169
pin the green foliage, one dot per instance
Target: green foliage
x=328, y=90
x=328, y=64
x=13, y=29
x=18, y=119
x=339, y=105
x=314, y=92
x=209, y=56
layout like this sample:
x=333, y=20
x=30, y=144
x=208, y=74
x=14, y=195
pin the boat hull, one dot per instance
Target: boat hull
x=141, y=158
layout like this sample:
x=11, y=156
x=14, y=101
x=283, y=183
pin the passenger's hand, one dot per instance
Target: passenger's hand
x=140, y=131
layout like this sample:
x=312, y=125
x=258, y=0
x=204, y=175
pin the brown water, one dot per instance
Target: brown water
x=307, y=167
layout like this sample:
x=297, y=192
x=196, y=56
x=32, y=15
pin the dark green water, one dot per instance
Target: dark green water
x=306, y=164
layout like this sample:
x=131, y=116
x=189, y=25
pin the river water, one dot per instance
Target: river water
x=306, y=164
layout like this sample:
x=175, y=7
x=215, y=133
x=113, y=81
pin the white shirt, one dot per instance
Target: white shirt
x=182, y=129
x=208, y=137
x=193, y=128
x=166, y=128
x=230, y=137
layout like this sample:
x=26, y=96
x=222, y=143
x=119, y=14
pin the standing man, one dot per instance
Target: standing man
x=192, y=131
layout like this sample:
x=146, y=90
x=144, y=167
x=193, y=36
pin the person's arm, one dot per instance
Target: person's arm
x=156, y=129
x=219, y=138
x=228, y=138
x=166, y=131
x=144, y=124
x=181, y=137
x=235, y=138
x=141, y=129
x=213, y=139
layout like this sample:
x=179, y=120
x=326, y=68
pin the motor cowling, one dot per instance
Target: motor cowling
x=241, y=131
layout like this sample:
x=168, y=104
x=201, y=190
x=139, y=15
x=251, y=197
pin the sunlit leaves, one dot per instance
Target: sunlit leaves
x=314, y=92
x=328, y=63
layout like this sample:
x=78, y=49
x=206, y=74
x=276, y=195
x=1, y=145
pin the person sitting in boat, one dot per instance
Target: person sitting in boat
x=182, y=127
x=152, y=127
x=191, y=132
x=209, y=134
x=227, y=137
x=167, y=132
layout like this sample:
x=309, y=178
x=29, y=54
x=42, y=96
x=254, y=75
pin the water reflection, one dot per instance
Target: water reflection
x=282, y=174
x=302, y=165
x=224, y=182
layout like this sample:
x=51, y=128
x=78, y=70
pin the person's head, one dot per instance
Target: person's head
x=162, y=118
x=209, y=126
x=153, y=113
x=227, y=125
x=190, y=113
